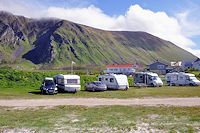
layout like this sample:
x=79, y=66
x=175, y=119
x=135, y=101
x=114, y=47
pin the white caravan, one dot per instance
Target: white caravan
x=114, y=81
x=183, y=79
x=69, y=83
x=170, y=77
x=147, y=79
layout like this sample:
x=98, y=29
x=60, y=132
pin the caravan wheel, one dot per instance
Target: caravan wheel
x=126, y=88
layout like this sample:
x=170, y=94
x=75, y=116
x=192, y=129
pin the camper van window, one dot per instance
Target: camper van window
x=193, y=78
x=111, y=80
x=154, y=78
x=72, y=81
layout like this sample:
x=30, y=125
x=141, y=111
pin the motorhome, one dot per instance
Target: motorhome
x=69, y=83
x=114, y=81
x=182, y=79
x=147, y=79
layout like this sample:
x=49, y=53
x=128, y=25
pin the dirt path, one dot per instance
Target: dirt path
x=102, y=101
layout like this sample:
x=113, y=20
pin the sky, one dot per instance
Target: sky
x=177, y=21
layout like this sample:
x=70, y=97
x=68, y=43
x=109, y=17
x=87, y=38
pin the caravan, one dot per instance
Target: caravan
x=114, y=81
x=147, y=79
x=69, y=83
x=171, y=77
x=182, y=79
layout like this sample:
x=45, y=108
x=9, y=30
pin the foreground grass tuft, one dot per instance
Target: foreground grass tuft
x=101, y=119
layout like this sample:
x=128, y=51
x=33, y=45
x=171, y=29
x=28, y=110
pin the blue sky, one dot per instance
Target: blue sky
x=174, y=20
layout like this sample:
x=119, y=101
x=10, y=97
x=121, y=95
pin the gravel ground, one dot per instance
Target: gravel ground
x=90, y=102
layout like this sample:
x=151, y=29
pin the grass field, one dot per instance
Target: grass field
x=101, y=119
x=25, y=84
x=133, y=92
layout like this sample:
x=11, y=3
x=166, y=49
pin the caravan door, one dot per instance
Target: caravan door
x=112, y=83
x=181, y=80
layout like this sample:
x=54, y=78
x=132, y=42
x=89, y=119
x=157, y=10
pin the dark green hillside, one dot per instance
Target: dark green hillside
x=58, y=42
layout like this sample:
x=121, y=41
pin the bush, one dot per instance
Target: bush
x=11, y=78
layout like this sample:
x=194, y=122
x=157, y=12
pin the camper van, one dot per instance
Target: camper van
x=115, y=82
x=147, y=79
x=182, y=79
x=69, y=83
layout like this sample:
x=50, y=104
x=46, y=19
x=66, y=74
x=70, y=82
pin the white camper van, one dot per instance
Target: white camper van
x=148, y=79
x=69, y=83
x=183, y=79
x=114, y=81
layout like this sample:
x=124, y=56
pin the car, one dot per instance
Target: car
x=96, y=86
x=48, y=86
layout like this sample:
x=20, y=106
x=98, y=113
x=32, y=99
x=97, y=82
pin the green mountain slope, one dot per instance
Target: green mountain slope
x=58, y=42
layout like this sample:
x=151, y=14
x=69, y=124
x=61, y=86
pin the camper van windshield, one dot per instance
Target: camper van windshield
x=154, y=78
x=193, y=78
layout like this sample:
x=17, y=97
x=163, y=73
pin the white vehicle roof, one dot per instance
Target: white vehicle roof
x=47, y=78
x=120, y=78
x=188, y=74
x=172, y=73
x=68, y=76
x=113, y=75
x=148, y=73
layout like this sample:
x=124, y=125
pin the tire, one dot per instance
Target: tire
x=191, y=84
x=152, y=85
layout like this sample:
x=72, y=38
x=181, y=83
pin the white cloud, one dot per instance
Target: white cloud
x=135, y=19
x=176, y=29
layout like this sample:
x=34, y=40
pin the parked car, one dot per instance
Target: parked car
x=96, y=86
x=48, y=86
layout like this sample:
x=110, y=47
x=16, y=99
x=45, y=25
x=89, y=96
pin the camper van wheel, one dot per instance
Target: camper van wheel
x=191, y=84
x=152, y=85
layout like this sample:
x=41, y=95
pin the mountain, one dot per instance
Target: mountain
x=58, y=42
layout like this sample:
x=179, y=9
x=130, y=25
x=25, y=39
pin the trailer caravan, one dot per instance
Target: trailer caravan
x=147, y=79
x=69, y=83
x=182, y=79
x=115, y=82
x=170, y=77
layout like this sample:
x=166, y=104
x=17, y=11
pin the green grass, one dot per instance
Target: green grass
x=32, y=92
x=101, y=119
